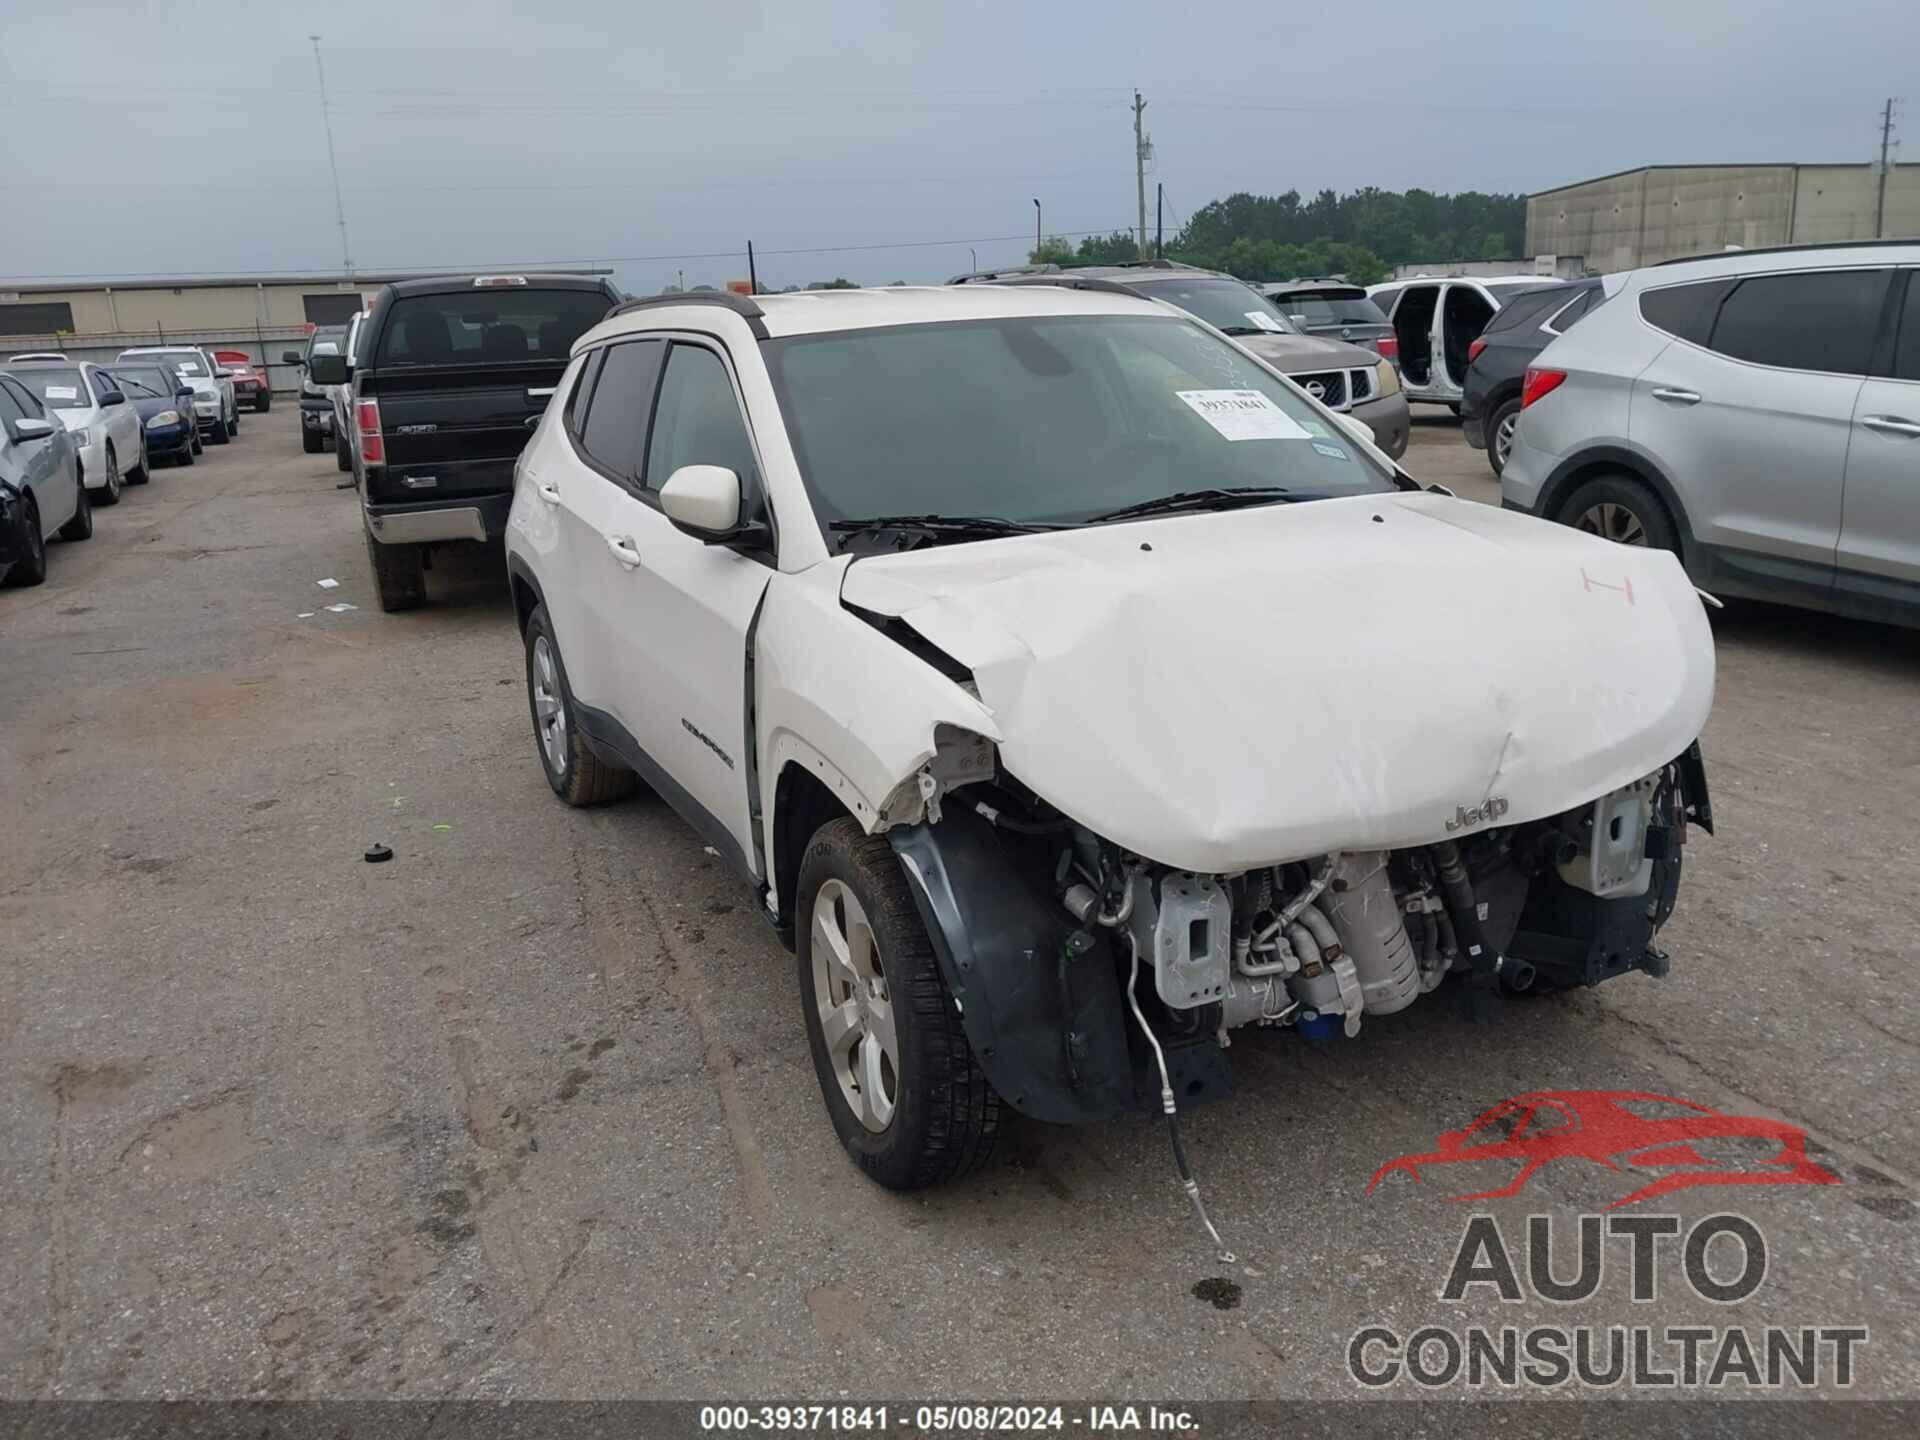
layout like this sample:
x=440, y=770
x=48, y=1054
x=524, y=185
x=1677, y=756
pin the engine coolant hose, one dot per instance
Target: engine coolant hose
x=1456, y=887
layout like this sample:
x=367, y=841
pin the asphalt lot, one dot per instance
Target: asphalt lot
x=528, y=1111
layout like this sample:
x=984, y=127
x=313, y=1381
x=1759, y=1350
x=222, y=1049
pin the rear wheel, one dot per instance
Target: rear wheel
x=30, y=568
x=906, y=1095
x=1619, y=508
x=399, y=575
x=1500, y=427
x=577, y=775
x=80, y=527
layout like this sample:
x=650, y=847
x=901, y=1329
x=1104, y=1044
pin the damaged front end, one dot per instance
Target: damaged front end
x=1085, y=972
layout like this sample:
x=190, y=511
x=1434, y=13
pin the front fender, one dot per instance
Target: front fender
x=999, y=944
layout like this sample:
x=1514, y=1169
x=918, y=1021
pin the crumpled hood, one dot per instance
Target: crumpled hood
x=1227, y=690
x=1295, y=354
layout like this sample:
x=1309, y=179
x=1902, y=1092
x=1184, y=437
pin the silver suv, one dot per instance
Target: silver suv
x=1757, y=412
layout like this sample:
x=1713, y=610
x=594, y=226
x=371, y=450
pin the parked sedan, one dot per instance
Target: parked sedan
x=40, y=489
x=250, y=385
x=165, y=405
x=213, y=403
x=106, y=430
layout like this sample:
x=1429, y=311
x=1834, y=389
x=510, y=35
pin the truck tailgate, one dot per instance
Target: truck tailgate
x=460, y=427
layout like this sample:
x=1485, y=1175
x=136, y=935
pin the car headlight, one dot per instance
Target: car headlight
x=1386, y=380
x=164, y=418
x=80, y=437
x=203, y=400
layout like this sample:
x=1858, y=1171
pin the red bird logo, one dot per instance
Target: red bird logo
x=1622, y=1130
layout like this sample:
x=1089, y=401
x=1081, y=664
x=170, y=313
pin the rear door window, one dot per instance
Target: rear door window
x=1812, y=320
x=614, y=433
x=697, y=421
x=495, y=326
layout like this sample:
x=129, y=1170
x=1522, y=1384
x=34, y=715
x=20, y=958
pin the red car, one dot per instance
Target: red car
x=1622, y=1130
x=250, y=384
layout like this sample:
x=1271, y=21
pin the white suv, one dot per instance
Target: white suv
x=1070, y=689
x=214, y=408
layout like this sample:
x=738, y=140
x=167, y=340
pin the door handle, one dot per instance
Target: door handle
x=624, y=550
x=1891, y=425
x=1679, y=397
x=548, y=493
x=543, y=392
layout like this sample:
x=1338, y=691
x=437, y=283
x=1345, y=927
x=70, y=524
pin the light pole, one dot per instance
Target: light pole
x=1037, y=212
x=974, y=267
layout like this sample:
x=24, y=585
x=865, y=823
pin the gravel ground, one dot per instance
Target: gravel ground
x=528, y=1111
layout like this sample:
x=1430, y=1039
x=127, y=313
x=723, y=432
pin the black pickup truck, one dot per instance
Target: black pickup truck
x=451, y=376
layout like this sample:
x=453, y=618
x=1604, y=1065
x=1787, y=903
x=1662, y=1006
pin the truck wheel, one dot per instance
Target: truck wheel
x=1500, y=427
x=399, y=575
x=905, y=1093
x=577, y=775
x=342, y=456
x=1620, y=508
x=310, y=440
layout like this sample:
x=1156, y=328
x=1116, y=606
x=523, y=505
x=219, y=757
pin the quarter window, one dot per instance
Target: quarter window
x=1818, y=320
x=30, y=406
x=582, y=388
x=615, y=432
x=1685, y=310
x=10, y=409
x=698, y=420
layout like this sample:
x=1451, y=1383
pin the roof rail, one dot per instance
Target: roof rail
x=742, y=305
x=1787, y=249
x=1005, y=270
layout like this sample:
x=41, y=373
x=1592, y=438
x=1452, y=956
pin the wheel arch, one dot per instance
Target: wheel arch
x=526, y=591
x=1598, y=460
x=802, y=804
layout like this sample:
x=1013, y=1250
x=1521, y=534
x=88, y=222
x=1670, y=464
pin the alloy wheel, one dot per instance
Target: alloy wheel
x=1503, y=438
x=855, y=1006
x=113, y=474
x=549, y=707
x=1613, y=522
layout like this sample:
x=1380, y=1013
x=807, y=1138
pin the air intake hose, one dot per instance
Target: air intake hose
x=1456, y=887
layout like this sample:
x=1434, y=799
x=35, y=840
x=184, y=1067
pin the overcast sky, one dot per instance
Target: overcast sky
x=181, y=136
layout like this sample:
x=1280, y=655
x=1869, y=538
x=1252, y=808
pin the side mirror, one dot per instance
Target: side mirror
x=114, y=397
x=289, y=357
x=704, y=501
x=26, y=429
x=327, y=369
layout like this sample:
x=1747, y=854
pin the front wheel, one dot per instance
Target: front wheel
x=31, y=567
x=342, y=456
x=1622, y=509
x=577, y=775
x=310, y=440
x=220, y=434
x=111, y=494
x=906, y=1094
x=262, y=403
x=142, y=472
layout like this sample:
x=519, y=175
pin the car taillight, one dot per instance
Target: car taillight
x=1473, y=350
x=373, y=445
x=1538, y=383
x=1388, y=346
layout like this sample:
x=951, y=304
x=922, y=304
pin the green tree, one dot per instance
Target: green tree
x=1051, y=251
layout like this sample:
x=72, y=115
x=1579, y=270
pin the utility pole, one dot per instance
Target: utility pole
x=1141, y=148
x=326, y=123
x=1037, y=213
x=1159, y=221
x=1887, y=142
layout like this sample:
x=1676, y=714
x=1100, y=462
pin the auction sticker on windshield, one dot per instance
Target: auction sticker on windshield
x=1263, y=321
x=62, y=392
x=1242, y=414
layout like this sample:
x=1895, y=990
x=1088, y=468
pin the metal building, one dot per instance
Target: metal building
x=1662, y=212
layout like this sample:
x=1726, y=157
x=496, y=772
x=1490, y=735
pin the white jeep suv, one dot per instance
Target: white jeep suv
x=1070, y=689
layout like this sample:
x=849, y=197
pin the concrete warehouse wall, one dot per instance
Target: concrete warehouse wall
x=102, y=309
x=1663, y=212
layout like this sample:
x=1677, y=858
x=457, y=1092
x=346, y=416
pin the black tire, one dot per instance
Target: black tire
x=342, y=456
x=233, y=425
x=577, y=775
x=110, y=495
x=195, y=445
x=310, y=441
x=1620, y=504
x=1505, y=411
x=262, y=403
x=142, y=472
x=219, y=435
x=80, y=527
x=186, y=454
x=945, y=1116
x=399, y=575
x=30, y=568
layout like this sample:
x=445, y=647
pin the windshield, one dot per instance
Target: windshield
x=1307, y=309
x=183, y=362
x=505, y=325
x=61, y=389
x=1046, y=419
x=147, y=381
x=1224, y=304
